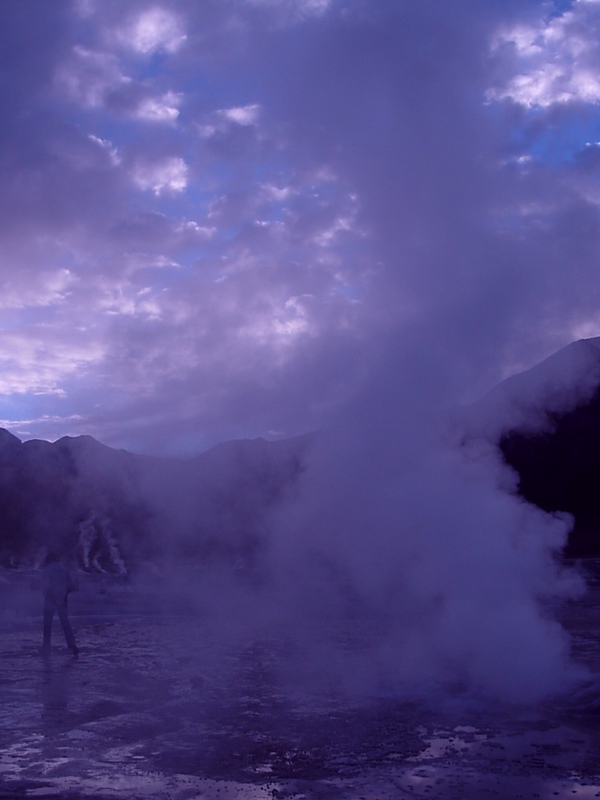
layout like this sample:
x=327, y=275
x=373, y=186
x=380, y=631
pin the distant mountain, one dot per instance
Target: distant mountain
x=111, y=509
x=546, y=423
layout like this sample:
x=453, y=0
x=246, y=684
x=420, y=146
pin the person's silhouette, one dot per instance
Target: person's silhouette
x=57, y=582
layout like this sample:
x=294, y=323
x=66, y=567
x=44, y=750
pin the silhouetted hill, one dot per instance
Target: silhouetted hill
x=112, y=509
x=546, y=423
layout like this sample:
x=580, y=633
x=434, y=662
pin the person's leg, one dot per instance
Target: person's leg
x=48, y=617
x=61, y=608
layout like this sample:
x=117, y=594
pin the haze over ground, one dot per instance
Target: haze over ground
x=265, y=218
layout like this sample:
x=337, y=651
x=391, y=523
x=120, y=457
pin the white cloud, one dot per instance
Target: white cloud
x=108, y=147
x=556, y=61
x=37, y=360
x=279, y=326
x=169, y=175
x=242, y=115
x=39, y=290
x=163, y=109
x=223, y=119
x=154, y=30
x=341, y=224
x=127, y=302
x=191, y=227
x=21, y=427
x=274, y=193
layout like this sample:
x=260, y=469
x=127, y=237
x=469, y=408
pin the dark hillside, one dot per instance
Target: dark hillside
x=111, y=509
x=546, y=423
x=559, y=470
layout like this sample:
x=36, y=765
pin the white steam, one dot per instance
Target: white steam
x=431, y=565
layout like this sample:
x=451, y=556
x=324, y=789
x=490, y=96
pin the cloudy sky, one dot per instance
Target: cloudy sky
x=226, y=218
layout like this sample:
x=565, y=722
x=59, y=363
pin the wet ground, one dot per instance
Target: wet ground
x=149, y=710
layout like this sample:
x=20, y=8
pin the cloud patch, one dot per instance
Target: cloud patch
x=554, y=61
x=168, y=175
x=154, y=30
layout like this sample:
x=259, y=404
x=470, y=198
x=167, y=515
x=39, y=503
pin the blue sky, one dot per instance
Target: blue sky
x=227, y=220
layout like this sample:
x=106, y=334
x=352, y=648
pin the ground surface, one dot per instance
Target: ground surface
x=144, y=713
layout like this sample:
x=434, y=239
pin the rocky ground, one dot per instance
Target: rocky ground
x=151, y=709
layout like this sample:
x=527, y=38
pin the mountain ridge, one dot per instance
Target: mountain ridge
x=111, y=508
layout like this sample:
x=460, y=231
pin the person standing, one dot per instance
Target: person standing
x=57, y=583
